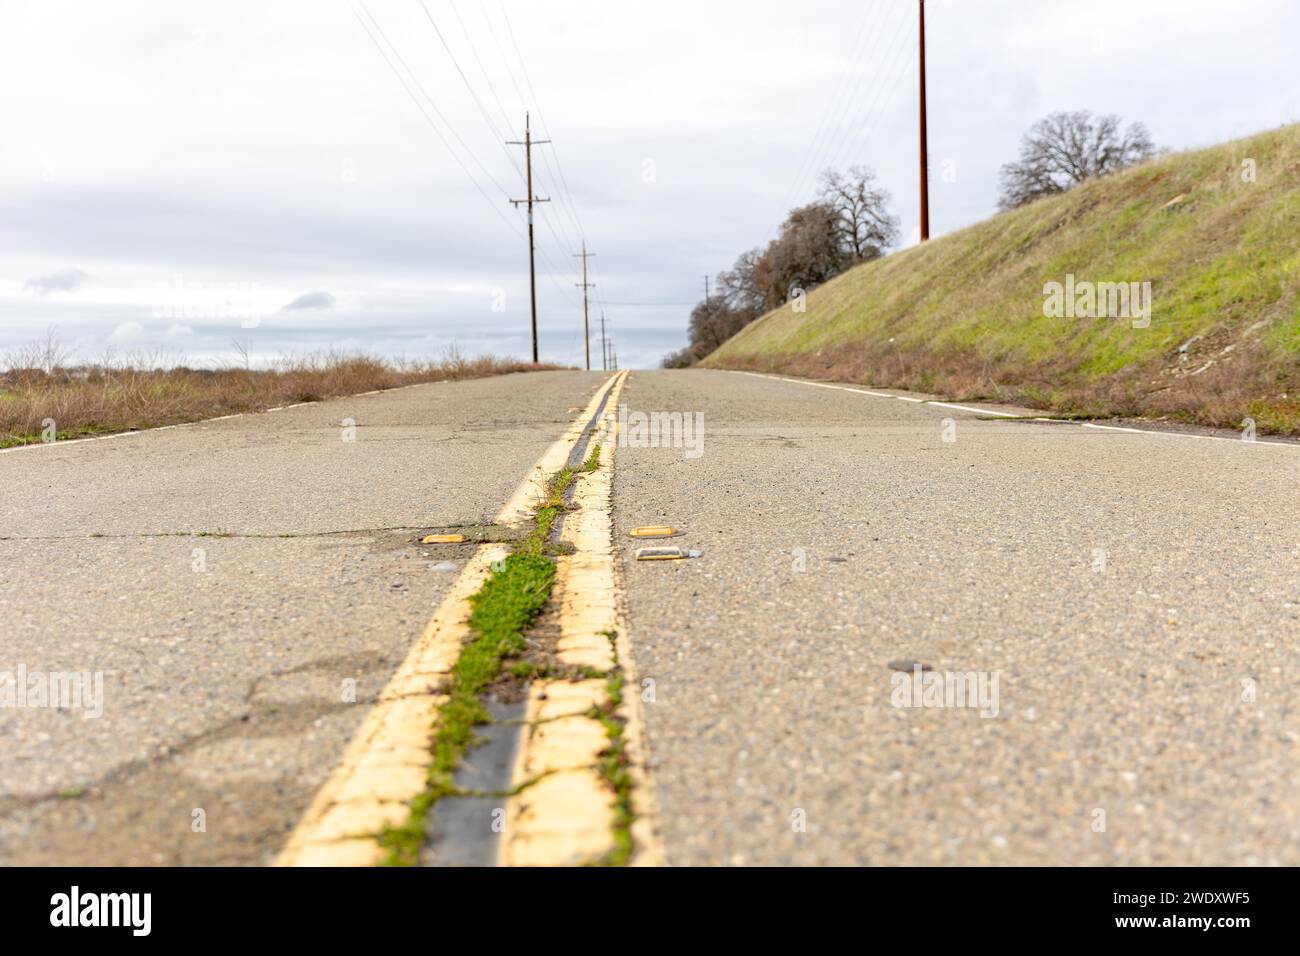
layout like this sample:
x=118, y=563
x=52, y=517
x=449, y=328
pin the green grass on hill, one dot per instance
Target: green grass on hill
x=963, y=316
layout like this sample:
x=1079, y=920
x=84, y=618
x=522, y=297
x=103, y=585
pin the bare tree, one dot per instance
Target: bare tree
x=847, y=225
x=1064, y=149
x=46, y=356
x=712, y=323
x=805, y=254
x=738, y=287
x=862, y=219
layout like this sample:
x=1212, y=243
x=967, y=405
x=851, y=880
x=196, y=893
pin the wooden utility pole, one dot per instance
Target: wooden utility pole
x=604, y=344
x=706, y=292
x=925, y=150
x=584, y=285
x=527, y=144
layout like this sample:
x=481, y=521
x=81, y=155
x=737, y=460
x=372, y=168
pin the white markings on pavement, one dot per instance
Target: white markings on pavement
x=1153, y=431
x=1113, y=428
x=977, y=411
x=989, y=411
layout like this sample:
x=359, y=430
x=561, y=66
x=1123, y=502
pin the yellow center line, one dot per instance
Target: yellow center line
x=386, y=763
x=565, y=813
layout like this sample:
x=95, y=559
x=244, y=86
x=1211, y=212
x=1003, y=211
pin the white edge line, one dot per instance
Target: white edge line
x=1165, y=434
x=977, y=411
x=988, y=411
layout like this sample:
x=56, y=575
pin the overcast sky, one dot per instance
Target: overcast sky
x=184, y=174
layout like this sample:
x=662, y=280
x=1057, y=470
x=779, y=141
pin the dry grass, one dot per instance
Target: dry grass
x=38, y=386
x=962, y=316
x=1256, y=384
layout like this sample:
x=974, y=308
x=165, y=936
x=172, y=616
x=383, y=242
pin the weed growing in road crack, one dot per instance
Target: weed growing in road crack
x=614, y=765
x=503, y=610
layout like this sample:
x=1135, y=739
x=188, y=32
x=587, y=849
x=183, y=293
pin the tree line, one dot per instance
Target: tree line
x=850, y=223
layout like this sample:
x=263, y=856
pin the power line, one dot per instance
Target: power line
x=841, y=129
x=505, y=117
x=410, y=82
x=880, y=104
x=564, y=241
x=541, y=118
x=555, y=174
x=835, y=129
x=834, y=104
x=881, y=96
x=496, y=41
x=654, y=305
x=600, y=297
x=497, y=135
x=553, y=270
x=375, y=39
x=566, y=204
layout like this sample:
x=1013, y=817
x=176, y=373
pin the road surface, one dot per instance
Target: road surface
x=1125, y=605
x=227, y=578
x=1127, y=589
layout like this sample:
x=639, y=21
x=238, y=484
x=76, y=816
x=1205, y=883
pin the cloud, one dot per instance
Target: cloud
x=310, y=300
x=127, y=332
x=176, y=331
x=61, y=280
x=190, y=196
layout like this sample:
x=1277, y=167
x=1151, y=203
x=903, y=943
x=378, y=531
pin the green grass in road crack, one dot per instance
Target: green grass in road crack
x=614, y=768
x=529, y=670
x=502, y=611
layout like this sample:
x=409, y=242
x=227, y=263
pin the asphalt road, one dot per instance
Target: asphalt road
x=227, y=579
x=1136, y=596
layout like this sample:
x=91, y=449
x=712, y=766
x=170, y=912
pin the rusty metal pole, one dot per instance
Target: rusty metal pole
x=925, y=149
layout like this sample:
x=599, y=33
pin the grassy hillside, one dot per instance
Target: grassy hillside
x=963, y=315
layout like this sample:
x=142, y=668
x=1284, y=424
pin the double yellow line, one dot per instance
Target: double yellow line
x=386, y=764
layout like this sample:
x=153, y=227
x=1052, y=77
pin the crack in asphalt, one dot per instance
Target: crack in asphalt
x=213, y=534
x=310, y=711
